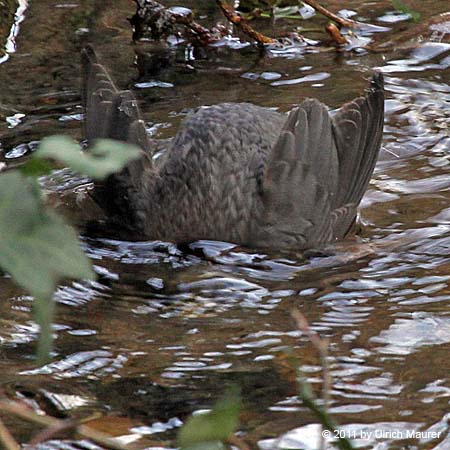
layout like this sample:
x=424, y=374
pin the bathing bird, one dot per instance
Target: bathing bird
x=237, y=172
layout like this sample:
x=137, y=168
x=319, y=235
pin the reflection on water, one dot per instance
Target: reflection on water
x=164, y=330
x=17, y=18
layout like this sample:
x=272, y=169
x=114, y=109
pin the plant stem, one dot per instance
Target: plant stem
x=230, y=13
x=16, y=409
x=6, y=438
x=334, y=17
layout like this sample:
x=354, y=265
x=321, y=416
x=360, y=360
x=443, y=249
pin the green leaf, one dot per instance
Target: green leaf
x=44, y=310
x=286, y=12
x=105, y=157
x=206, y=446
x=37, y=248
x=208, y=430
x=35, y=167
x=401, y=7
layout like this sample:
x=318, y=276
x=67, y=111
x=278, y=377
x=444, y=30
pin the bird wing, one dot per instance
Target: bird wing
x=110, y=113
x=114, y=114
x=319, y=170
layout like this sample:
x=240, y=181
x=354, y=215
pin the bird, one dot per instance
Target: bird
x=237, y=172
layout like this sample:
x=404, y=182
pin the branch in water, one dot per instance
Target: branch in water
x=6, y=438
x=335, y=34
x=155, y=20
x=335, y=18
x=19, y=410
x=237, y=20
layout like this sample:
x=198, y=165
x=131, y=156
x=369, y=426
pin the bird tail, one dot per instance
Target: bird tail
x=114, y=114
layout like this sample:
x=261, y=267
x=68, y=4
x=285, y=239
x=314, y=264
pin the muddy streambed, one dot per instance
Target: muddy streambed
x=164, y=330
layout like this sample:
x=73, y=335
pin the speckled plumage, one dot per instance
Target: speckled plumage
x=239, y=172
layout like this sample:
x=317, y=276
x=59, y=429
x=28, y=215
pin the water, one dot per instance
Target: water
x=164, y=330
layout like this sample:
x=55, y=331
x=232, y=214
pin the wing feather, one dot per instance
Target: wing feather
x=319, y=170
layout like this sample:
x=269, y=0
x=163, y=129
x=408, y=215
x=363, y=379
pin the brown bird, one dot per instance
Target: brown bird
x=238, y=172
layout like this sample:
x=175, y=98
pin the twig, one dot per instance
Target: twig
x=6, y=438
x=237, y=442
x=335, y=34
x=303, y=326
x=243, y=25
x=100, y=438
x=335, y=18
x=27, y=414
x=322, y=348
x=52, y=431
x=202, y=33
x=152, y=18
x=327, y=422
x=307, y=397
